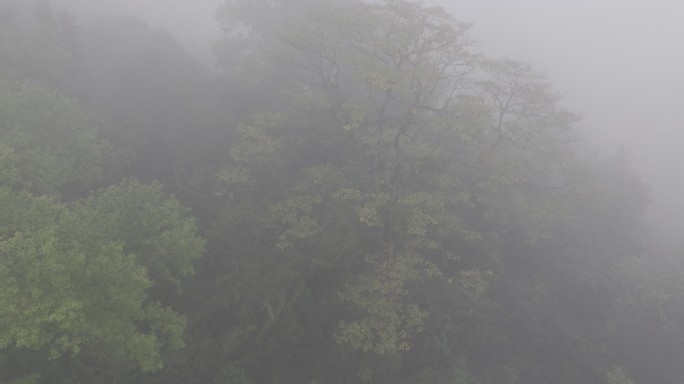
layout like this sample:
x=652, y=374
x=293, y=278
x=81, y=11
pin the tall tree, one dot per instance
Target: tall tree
x=49, y=142
x=397, y=159
x=85, y=284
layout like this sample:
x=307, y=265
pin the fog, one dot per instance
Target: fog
x=193, y=22
x=341, y=191
x=617, y=63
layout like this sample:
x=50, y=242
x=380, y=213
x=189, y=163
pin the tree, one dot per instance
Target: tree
x=48, y=143
x=397, y=158
x=39, y=43
x=81, y=282
x=378, y=201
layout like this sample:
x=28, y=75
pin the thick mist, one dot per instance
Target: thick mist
x=193, y=22
x=341, y=191
x=616, y=63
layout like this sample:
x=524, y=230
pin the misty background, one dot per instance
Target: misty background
x=339, y=191
x=617, y=63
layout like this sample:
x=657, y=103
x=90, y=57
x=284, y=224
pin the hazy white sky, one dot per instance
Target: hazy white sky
x=620, y=64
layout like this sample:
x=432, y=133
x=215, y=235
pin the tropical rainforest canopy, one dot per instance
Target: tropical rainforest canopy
x=352, y=196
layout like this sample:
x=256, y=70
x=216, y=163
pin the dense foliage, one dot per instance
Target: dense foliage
x=353, y=196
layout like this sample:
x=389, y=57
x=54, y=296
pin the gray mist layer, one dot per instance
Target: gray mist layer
x=618, y=63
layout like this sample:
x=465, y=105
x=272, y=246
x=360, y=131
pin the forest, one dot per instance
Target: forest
x=351, y=195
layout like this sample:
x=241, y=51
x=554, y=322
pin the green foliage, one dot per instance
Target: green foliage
x=456, y=375
x=475, y=281
x=156, y=229
x=76, y=277
x=387, y=321
x=294, y=213
x=381, y=91
x=255, y=145
x=30, y=379
x=48, y=145
x=233, y=374
x=378, y=201
x=617, y=376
